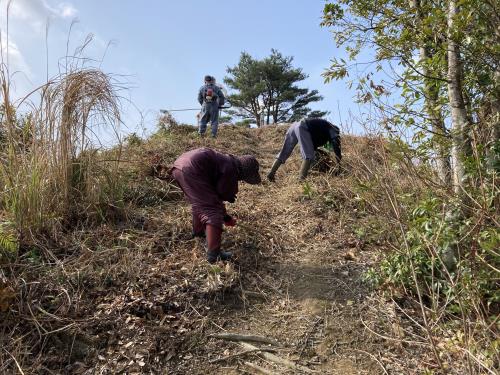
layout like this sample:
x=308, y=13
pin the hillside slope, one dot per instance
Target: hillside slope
x=137, y=296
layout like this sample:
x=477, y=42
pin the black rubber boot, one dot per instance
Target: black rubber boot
x=272, y=172
x=217, y=255
x=304, y=169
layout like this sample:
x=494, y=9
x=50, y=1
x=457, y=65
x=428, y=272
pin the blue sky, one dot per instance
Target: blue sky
x=164, y=48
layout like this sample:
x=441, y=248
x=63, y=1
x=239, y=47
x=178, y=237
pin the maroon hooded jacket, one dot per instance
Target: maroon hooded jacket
x=208, y=178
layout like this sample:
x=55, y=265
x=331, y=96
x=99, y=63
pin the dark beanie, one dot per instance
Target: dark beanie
x=208, y=78
x=249, y=169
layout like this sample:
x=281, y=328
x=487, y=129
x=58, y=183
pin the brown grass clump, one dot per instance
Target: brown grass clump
x=52, y=170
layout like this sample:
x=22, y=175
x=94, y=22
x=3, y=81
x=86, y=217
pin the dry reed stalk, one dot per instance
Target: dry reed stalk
x=61, y=169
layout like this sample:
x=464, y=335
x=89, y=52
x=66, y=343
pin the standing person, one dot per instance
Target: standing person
x=210, y=98
x=310, y=134
x=208, y=178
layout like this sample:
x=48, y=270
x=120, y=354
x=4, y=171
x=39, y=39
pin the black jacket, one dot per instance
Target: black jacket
x=323, y=132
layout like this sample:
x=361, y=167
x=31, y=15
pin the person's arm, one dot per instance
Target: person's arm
x=228, y=177
x=227, y=186
x=222, y=98
x=335, y=141
x=200, y=96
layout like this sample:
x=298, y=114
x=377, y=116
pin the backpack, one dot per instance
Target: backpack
x=210, y=94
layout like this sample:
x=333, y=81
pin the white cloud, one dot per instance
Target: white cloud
x=30, y=54
x=31, y=13
x=37, y=13
x=67, y=10
x=16, y=57
x=16, y=50
x=12, y=56
x=20, y=74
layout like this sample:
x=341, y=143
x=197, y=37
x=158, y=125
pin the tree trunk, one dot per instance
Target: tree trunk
x=495, y=108
x=257, y=117
x=268, y=105
x=431, y=91
x=458, y=111
x=256, y=112
x=275, y=114
x=431, y=102
x=494, y=122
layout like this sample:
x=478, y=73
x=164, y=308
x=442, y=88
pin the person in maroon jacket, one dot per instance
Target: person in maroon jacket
x=209, y=178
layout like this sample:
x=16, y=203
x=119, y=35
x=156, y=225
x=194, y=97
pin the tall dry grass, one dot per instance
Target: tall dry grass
x=52, y=170
x=54, y=175
x=444, y=262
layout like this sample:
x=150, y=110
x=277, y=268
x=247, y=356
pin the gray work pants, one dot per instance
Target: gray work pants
x=297, y=133
x=209, y=112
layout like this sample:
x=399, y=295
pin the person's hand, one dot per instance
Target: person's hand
x=229, y=221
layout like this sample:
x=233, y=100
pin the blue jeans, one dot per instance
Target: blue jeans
x=209, y=112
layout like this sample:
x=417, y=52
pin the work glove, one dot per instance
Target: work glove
x=229, y=221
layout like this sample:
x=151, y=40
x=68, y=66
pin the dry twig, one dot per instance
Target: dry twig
x=279, y=360
x=239, y=337
x=240, y=354
x=258, y=368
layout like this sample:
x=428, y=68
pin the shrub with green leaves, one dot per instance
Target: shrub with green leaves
x=451, y=259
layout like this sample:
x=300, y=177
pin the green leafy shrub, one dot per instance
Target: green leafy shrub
x=449, y=258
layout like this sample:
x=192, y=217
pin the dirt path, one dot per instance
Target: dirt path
x=141, y=298
x=297, y=280
x=306, y=291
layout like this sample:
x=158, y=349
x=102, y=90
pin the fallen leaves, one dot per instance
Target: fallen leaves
x=7, y=295
x=351, y=255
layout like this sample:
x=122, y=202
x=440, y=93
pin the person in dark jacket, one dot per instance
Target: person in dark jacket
x=310, y=134
x=209, y=178
x=210, y=97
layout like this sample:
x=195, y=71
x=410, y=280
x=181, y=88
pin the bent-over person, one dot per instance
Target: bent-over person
x=310, y=134
x=209, y=178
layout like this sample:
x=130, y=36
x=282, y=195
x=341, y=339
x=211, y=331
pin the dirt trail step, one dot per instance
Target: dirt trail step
x=309, y=304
